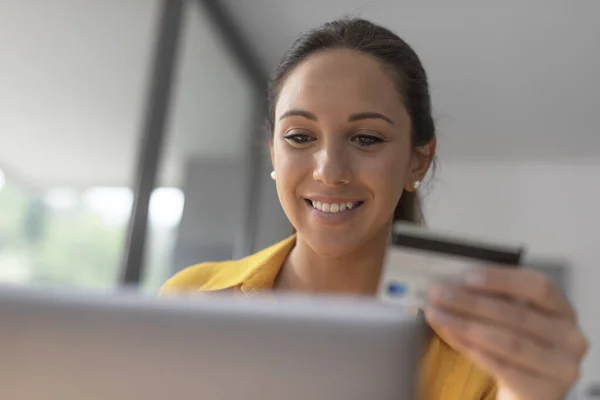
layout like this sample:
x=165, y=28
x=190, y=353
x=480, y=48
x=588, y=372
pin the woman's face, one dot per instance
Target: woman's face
x=341, y=150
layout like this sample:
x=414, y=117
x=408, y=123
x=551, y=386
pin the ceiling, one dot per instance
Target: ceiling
x=74, y=78
x=516, y=82
x=513, y=80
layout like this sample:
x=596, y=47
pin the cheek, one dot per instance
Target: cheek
x=291, y=168
x=385, y=175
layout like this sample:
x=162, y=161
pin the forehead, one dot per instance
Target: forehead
x=339, y=80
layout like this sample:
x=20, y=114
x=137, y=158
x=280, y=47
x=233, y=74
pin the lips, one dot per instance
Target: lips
x=333, y=208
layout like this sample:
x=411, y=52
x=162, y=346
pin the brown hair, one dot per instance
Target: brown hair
x=400, y=62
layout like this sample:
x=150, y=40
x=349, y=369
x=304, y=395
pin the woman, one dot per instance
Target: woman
x=352, y=137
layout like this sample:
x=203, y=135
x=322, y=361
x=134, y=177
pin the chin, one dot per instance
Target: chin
x=333, y=245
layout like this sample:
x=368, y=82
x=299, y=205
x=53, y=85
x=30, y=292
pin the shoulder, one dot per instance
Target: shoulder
x=257, y=270
x=205, y=276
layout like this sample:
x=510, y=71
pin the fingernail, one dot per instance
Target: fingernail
x=476, y=277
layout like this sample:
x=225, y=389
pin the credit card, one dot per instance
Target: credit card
x=418, y=257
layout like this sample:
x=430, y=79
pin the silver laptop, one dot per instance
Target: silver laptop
x=61, y=346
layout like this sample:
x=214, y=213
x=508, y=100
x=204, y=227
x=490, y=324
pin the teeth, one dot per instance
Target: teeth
x=333, y=207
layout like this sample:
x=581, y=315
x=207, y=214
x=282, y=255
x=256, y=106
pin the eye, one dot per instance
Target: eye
x=364, y=140
x=296, y=138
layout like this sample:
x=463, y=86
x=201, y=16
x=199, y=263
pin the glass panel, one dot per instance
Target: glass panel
x=207, y=136
x=73, y=83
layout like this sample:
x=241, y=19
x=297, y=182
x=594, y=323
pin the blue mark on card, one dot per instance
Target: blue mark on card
x=398, y=289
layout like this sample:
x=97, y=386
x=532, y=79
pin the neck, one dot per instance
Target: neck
x=357, y=272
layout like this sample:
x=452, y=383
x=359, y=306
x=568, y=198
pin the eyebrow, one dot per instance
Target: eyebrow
x=298, y=113
x=352, y=118
x=370, y=115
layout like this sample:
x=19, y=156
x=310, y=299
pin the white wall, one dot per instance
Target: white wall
x=551, y=207
x=272, y=223
x=213, y=212
x=212, y=101
x=211, y=227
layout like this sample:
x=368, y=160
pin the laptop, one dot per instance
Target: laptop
x=58, y=345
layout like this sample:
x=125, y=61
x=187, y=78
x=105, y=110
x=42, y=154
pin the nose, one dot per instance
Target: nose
x=332, y=167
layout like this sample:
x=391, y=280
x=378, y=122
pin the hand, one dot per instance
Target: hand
x=516, y=325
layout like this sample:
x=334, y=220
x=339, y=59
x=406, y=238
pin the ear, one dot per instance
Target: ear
x=420, y=162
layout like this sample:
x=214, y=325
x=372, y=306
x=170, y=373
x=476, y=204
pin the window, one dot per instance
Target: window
x=73, y=83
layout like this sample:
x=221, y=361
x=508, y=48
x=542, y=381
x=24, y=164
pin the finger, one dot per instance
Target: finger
x=577, y=342
x=510, y=346
x=520, y=383
x=498, y=310
x=531, y=286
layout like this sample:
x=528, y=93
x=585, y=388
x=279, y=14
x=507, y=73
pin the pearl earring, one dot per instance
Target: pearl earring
x=416, y=184
x=273, y=175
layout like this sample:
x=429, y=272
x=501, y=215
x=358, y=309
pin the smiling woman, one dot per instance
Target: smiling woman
x=352, y=137
x=341, y=134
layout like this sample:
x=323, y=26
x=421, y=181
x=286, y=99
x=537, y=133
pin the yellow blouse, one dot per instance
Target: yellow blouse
x=445, y=374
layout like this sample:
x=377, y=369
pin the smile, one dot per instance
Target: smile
x=333, y=208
